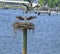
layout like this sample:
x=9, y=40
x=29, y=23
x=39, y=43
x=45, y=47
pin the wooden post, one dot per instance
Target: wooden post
x=49, y=12
x=24, y=51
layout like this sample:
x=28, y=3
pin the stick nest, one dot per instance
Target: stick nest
x=23, y=25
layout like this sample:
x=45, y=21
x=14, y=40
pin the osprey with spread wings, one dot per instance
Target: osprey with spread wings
x=25, y=18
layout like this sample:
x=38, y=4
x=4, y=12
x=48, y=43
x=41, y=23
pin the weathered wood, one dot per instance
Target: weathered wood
x=24, y=51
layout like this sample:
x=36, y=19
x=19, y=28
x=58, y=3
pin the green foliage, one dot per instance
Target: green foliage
x=51, y=3
x=40, y=2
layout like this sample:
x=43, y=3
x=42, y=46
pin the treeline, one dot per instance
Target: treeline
x=50, y=3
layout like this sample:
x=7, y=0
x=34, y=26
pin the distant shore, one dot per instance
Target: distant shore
x=53, y=11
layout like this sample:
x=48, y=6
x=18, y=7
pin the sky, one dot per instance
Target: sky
x=7, y=0
x=4, y=0
x=35, y=1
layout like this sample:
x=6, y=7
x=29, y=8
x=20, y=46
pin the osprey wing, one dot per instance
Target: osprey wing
x=20, y=17
x=31, y=17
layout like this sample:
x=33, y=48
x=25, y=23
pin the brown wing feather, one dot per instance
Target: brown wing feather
x=31, y=17
x=20, y=17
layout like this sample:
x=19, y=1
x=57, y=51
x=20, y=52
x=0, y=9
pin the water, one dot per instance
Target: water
x=45, y=39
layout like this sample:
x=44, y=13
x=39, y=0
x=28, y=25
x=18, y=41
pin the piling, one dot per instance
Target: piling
x=24, y=51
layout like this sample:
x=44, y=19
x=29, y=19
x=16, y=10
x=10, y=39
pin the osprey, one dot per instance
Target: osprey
x=25, y=18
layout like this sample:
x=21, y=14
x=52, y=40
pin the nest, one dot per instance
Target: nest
x=23, y=25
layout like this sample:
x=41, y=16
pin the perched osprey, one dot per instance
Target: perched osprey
x=24, y=18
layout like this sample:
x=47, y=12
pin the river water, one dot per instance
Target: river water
x=44, y=40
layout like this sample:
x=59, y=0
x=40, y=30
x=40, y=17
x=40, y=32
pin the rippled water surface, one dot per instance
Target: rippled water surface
x=44, y=40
